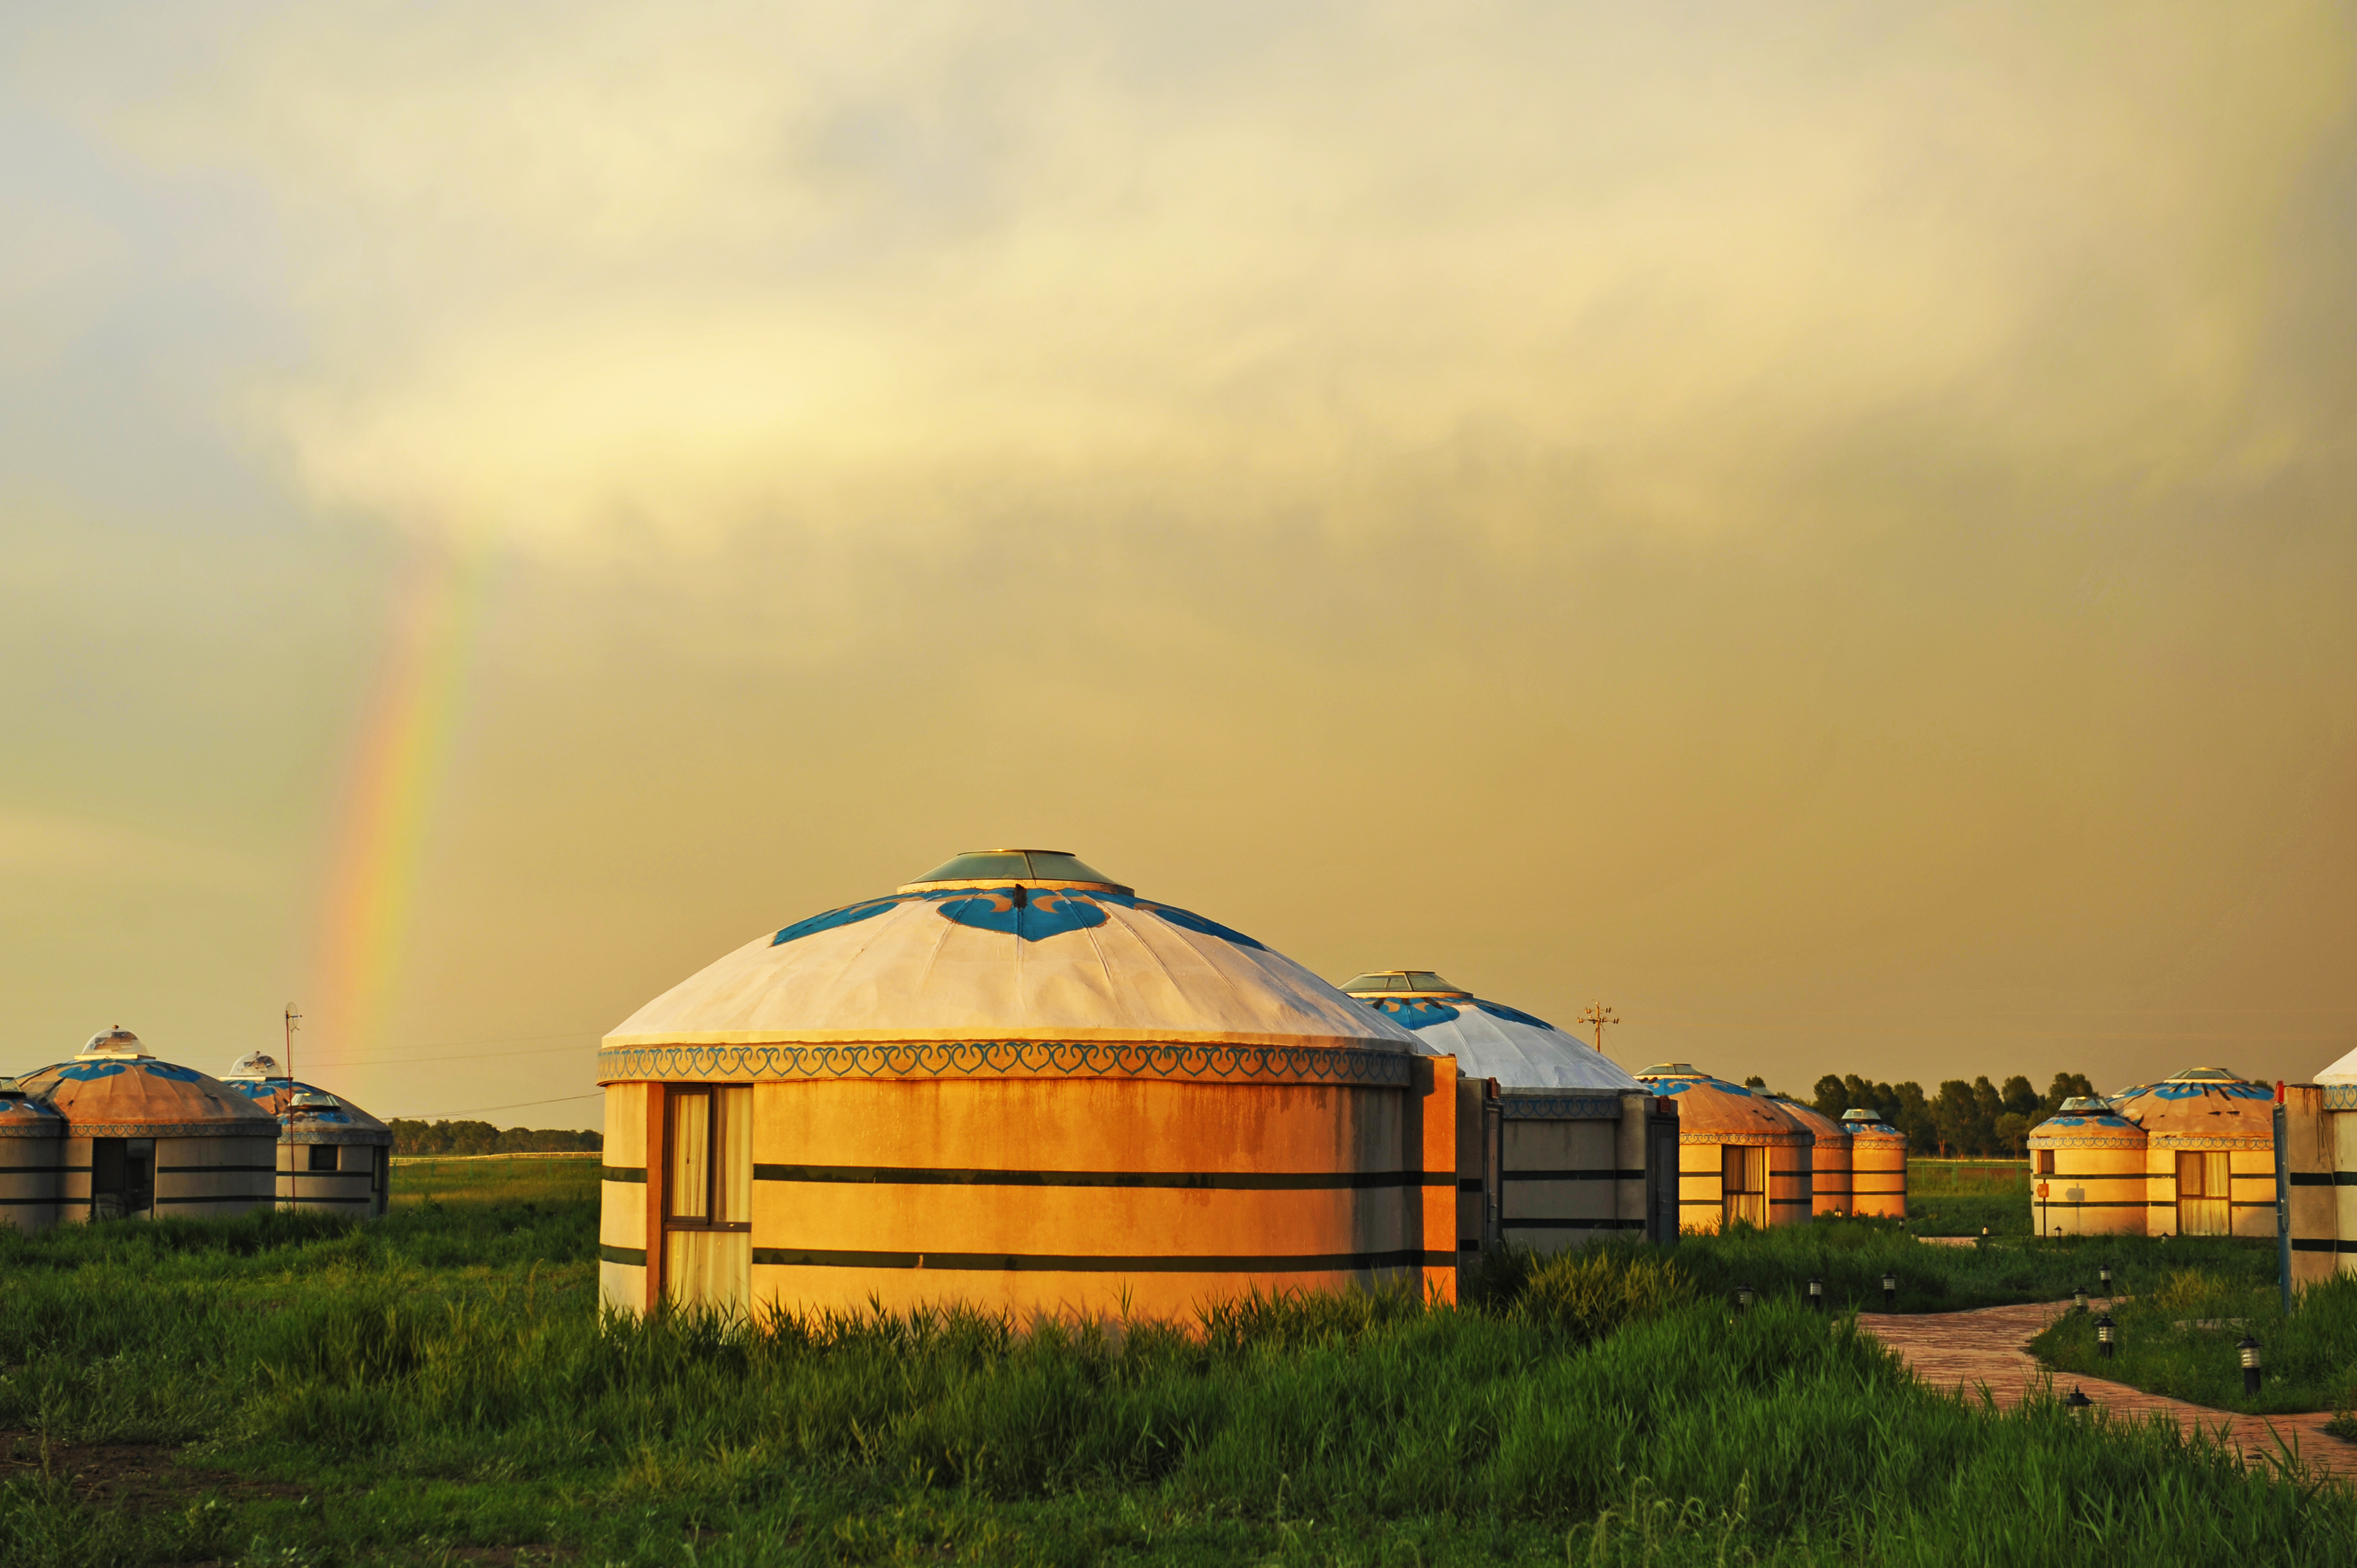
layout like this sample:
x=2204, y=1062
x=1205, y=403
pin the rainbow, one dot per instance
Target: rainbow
x=391, y=792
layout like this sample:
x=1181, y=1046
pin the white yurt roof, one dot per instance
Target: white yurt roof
x=2343, y=1072
x=1006, y=945
x=1489, y=1039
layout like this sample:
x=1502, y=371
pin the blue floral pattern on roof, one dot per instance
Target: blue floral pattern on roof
x=1033, y=914
x=1413, y=1013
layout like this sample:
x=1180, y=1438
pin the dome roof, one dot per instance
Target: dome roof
x=1867, y=1124
x=2085, y=1121
x=2343, y=1072
x=1489, y=1039
x=114, y=1090
x=2200, y=1104
x=24, y=1115
x=1814, y=1123
x=313, y=1110
x=973, y=951
x=1718, y=1110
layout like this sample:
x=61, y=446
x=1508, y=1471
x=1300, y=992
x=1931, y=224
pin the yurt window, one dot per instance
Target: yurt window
x=708, y=1204
x=122, y=1177
x=1743, y=1184
x=323, y=1156
x=2045, y=1162
x=2202, y=1192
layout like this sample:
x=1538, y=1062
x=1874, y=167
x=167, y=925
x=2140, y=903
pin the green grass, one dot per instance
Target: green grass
x=2177, y=1335
x=1969, y=1178
x=439, y=1384
x=525, y=1178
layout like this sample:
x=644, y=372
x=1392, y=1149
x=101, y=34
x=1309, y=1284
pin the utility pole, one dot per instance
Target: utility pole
x=1599, y=1015
x=293, y=1177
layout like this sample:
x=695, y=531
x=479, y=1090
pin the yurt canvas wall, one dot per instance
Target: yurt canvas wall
x=32, y=1159
x=332, y=1157
x=1014, y=1084
x=1829, y=1158
x=1583, y=1149
x=2319, y=1155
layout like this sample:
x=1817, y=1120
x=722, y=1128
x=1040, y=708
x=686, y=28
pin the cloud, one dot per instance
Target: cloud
x=621, y=266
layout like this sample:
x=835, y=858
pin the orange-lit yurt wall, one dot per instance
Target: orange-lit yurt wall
x=149, y=1139
x=1014, y=1084
x=1740, y=1158
x=2317, y=1150
x=332, y=1157
x=2209, y=1153
x=2087, y=1172
x=1877, y=1165
x=1829, y=1158
x=1584, y=1150
x=32, y=1159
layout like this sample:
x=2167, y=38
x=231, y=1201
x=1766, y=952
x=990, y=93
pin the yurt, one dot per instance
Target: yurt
x=1014, y=1084
x=1829, y=1157
x=32, y=1158
x=2209, y=1153
x=148, y=1139
x=2087, y=1172
x=1584, y=1149
x=1877, y=1165
x=333, y=1156
x=1740, y=1157
x=2318, y=1150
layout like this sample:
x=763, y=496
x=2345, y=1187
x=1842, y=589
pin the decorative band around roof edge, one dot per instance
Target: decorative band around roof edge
x=2114, y=1141
x=266, y=1132
x=1752, y=1139
x=381, y=1135
x=1526, y=1107
x=2341, y=1096
x=1012, y=1059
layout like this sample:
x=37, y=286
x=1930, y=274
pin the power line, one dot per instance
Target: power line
x=517, y=1105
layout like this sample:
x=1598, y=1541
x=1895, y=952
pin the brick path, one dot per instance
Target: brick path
x=1972, y=1349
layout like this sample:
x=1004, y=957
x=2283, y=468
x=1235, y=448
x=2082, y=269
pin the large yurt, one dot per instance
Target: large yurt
x=1583, y=1149
x=2318, y=1154
x=333, y=1156
x=1829, y=1157
x=2209, y=1153
x=151, y=1140
x=2087, y=1172
x=1877, y=1165
x=32, y=1158
x=1014, y=1084
x=1740, y=1157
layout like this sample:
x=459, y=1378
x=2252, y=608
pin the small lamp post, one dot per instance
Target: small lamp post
x=2250, y=1350
x=2078, y=1400
x=2104, y=1275
x=1817, y=1292
x=2106, y=1336
x=1742, y=1300
x=1889, y=1290
x=2079, y=1298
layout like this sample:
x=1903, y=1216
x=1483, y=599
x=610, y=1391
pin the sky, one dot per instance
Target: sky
x=1827, y=528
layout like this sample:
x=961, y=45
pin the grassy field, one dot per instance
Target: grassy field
x=497, y=1178
x=1959, y=1197
x=2179, y=1338
x=437, y=1388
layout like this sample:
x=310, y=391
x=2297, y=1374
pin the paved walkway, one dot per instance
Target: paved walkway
x=1986, y=1348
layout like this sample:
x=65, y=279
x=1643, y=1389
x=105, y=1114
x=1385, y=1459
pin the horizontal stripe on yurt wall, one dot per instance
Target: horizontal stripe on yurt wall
x=32, y=1174
x=214, y=1176
x=2311, y=1204
x=1184, y=1188
x=1562, y=1178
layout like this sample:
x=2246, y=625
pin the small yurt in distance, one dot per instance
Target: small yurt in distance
x=1014, y=1084
x=2087, y=1172
x=2209, y=1153
x=151, y=1139
x=333, y=1156
x=1583, y=1150
x=1740, y=1158
x=32, y=1158
x=1829, y=1157
x=1877, y=1165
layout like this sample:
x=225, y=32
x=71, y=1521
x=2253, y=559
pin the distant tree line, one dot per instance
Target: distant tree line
x=1961, y=1119
x=482, y=1138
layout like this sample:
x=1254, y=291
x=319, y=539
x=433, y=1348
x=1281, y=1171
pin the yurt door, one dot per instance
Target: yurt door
x=709, y=1198
x=2203, y=1193
x=1743, y=1182
x=121, y=1177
